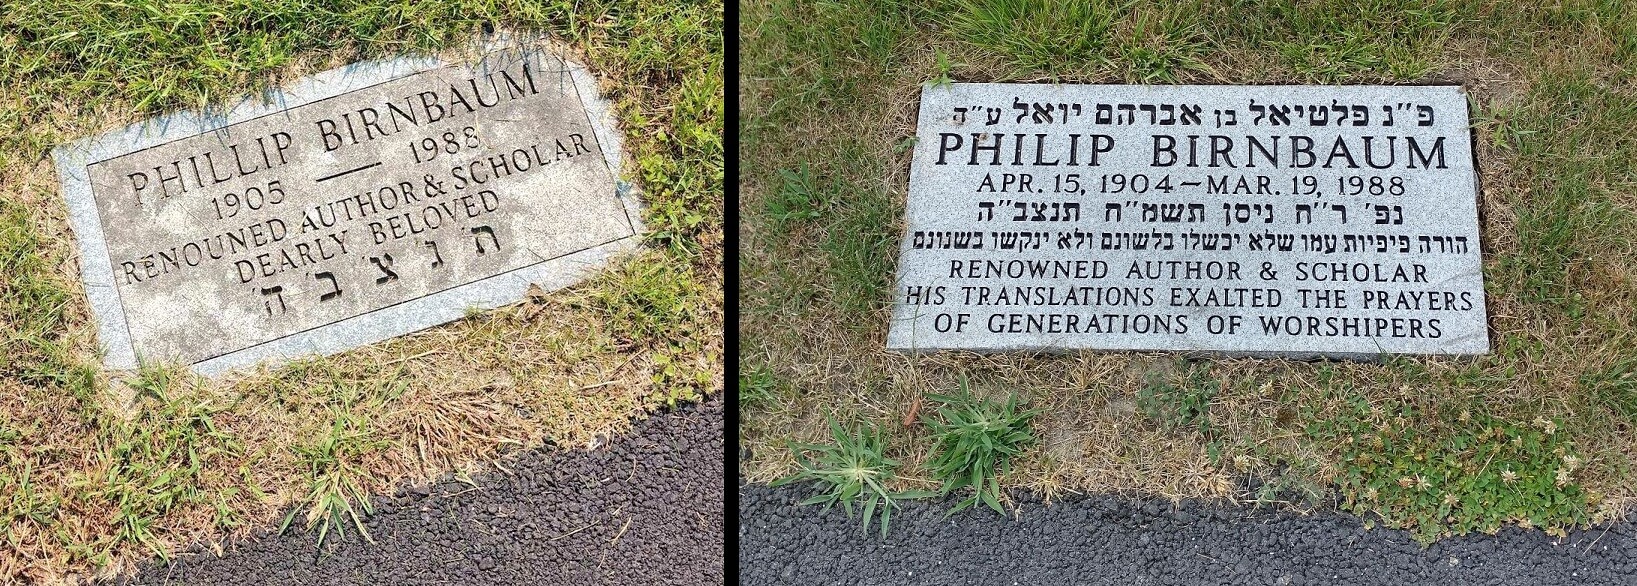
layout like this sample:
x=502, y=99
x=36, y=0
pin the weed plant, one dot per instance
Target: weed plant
x=854, y=469
x=1180, y=407
x=974, y=442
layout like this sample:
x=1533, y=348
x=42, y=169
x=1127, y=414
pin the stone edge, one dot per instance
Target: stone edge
x=96, y=271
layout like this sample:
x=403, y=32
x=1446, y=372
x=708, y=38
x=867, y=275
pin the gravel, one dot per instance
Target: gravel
x=645, y=509
x=1113, y=540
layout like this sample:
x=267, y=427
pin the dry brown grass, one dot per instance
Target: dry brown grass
x=555, y=369
x=1092, y=436
x=470, y=391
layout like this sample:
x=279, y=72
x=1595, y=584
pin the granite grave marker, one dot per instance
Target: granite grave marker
x=1288, y=220
x=352, y=206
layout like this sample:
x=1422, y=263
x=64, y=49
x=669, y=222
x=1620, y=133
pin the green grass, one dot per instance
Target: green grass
x=1614, y=388
x=756, y=385
x=1040, y=35
x=90, y=477
x=1474, y=474
x=1333, y=41
x=656, y=297
x=860, y=248
x=1577, y=210
x=648, y=298
x=799, y=198
x=157, y=463
x=1085, y=36
x=682, y=168
x=974, y=441
x=336, y=478
x=853, y=471
x=1185, y=406
x=21, y=497
x=1162, y=46
x=1328, y=41
x=32, y=301
x=829, y=102
x=1550, y=232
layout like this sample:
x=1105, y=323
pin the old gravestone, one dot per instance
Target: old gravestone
x=353, y=206
x=1289, y=220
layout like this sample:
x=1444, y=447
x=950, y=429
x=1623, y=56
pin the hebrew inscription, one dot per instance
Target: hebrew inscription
x=346, y=204
x=1297, y=220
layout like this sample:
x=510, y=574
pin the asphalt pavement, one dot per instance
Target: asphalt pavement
x=1120, y=541
x=645, y=509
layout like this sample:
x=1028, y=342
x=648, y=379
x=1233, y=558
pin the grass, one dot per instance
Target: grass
x=860, y=246
x=1331, y=42
x=160, y=462
x=1185, y=406
x=974, y=443
x=1036, y=35
x=1474, y=474
x=99, y=469
x=852, y=472
x=829, y=96
x=333, y=474
x=335, y=464
x=798, y=200
x=756, y=385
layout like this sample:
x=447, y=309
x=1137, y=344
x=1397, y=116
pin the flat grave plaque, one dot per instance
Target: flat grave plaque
x=355, y=205
x=1260, y=220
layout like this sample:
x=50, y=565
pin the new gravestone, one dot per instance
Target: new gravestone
x=1288, y=220
x=353, y=206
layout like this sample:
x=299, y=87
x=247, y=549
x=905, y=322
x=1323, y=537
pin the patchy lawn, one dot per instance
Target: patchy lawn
x=1539, y=432
x=98, y=469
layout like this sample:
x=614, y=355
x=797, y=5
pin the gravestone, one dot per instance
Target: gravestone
x=355, y=205
x=1259, y=220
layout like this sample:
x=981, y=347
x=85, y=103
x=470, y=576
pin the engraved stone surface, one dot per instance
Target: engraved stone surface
x=1260, y=220
x=356, y=205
